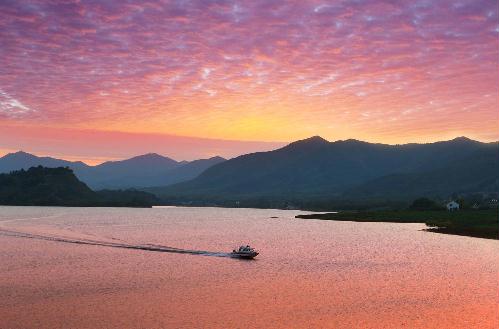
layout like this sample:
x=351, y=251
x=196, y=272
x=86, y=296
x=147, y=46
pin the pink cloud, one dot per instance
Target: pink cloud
x=137, y=66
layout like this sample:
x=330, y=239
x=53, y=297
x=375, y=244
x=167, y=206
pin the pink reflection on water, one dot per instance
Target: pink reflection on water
x=309, y=274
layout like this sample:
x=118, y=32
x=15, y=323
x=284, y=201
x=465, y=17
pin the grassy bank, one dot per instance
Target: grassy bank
x=475, y=223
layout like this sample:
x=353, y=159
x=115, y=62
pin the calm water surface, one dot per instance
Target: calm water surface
x=310, y=274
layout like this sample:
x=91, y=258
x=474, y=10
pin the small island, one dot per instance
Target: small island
x=40, y=186
x=481, y=223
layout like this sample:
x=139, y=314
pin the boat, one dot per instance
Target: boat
x=245, y=252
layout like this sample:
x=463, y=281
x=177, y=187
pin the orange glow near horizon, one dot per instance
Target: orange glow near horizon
x=252, y=71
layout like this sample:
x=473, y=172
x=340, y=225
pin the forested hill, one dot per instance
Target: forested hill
x=40, y=186
x=314, y=169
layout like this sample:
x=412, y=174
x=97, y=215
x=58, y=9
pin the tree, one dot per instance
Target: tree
x=425, y=204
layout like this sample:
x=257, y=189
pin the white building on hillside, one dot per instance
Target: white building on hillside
x=452, y=206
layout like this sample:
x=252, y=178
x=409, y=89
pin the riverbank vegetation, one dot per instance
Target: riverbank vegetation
x=482, y=223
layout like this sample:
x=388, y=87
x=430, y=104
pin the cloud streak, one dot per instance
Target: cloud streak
x=11, y=107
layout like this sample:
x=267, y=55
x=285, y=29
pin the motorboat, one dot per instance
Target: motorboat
x=244, y=252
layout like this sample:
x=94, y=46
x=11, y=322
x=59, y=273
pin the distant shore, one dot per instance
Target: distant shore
x=473, y=223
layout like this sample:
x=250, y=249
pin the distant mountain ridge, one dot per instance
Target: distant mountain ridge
x=317, y=169
x=309, y=169
x=141, y=171
x=23, y=160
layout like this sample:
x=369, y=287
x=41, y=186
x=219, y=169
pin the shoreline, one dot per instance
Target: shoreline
x=444, y=230
x=472, y=223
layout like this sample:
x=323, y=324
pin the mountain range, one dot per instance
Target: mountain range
x=317, y=169
x=303, y=171
x=141, y=171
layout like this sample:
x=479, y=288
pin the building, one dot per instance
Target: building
x=452, y=206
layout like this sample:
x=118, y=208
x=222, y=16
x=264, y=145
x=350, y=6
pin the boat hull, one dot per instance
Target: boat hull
x=250, y=255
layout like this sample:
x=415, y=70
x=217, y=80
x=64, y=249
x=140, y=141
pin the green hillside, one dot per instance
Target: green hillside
x=40, y=186
x=352, y=171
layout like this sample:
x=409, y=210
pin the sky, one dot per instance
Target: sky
x=97, y=80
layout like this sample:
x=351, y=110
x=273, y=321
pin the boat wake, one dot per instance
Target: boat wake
x=123, y=245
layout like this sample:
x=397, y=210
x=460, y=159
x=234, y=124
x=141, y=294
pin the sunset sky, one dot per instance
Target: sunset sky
x=97, y=80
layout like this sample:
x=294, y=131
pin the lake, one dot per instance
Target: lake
x=310, y=273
